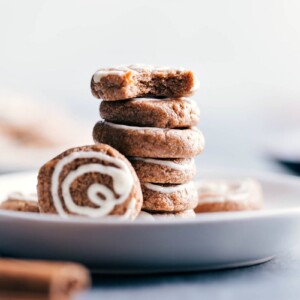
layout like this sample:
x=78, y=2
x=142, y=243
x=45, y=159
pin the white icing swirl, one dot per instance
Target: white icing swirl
x=121, y=178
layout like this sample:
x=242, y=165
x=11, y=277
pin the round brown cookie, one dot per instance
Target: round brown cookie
x=169, y=198
x=222, y=195
x=175, y=171
x=150, y=142
x=15, y=204
x=93, y=181
x=160, y=113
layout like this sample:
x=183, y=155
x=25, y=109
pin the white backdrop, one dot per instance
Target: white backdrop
x=246, y=54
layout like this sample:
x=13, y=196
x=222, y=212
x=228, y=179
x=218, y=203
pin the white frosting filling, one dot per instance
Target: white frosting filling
x=130, y=209
x=101, y=73
x=222, y=191
x=148, y=99
x=164, y=99
x=196, y=85
x=147, y=128
x=122, y=184
x=132, y=127
x=170, y=164
x=168, y=189
x=145, y=216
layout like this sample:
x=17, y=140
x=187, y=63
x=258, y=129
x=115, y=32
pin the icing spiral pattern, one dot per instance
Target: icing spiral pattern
x=122, y=181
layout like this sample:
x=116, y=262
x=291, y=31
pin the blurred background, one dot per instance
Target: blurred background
x=246, y=54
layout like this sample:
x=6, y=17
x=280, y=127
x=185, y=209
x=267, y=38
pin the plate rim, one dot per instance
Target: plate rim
x=163, y=221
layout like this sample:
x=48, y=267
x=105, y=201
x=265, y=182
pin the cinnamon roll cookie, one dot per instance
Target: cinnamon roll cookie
x=152, y=112
x=92, y=181
x=142, y=81
x=169, y=198
x=217, y=196
x=154, y=170
x=149, y=141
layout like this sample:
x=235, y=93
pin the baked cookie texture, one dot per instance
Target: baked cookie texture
x=150, y=142
x=151, y=112
x=169, y=198
x=176, y=171
x=93, y=181
x=113, y=84
x=14, y=204
x=222, y=195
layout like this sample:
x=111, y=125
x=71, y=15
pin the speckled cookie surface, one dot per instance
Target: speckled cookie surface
x=20, y=205
x=176, y=171
x=169, y=198
x=93, y=181
x=161, y=113
x=142, y=81
x=222, y=195
x=150, y=142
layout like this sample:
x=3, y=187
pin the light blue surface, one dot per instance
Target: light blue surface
x=276, y=279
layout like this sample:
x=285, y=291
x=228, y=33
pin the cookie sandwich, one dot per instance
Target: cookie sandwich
x=148, y=116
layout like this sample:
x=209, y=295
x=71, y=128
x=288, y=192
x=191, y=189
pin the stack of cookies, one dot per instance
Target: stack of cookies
x=148, y=118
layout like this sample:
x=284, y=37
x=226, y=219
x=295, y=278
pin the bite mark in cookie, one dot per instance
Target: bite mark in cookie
x=142, y=81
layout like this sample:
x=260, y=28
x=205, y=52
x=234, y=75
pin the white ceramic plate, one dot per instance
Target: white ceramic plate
x=210, y=241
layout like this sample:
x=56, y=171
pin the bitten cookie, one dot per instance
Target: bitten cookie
x=150, y=142
x=217, y=196
x=142, y=81
x=176, y=171
x=151, y=112
x=21, y=202
x=93, y=181
x=169, y=198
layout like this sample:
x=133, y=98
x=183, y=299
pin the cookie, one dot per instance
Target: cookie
x=169, y=198
x=222, y=195
x=176, y=171
x=142, y=81
x=93, y=181
x=151, y=112
x=150, y=141
x=21, y=202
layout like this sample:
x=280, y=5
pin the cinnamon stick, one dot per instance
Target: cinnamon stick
x=37, y=280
